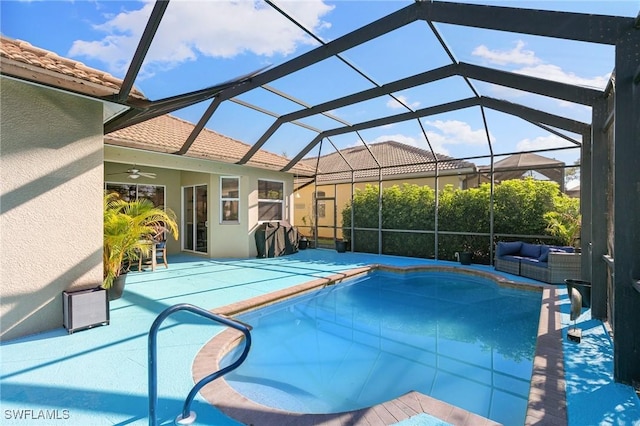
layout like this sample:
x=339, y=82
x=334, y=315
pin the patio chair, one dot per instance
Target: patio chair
x=158, y=251
x=161, y=251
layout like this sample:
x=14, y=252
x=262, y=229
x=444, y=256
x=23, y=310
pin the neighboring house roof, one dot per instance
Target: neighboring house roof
x=515, y=166
x=168, y=133
x=396, y=159
x=22, y=60
x=572, y=188
x=526, y=161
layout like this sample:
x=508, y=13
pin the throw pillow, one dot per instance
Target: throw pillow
x=530, y=250
x=544, y=253
x=506, y=249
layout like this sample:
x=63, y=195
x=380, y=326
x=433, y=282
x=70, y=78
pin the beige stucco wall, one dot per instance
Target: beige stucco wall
x=51, y=203
x=225, y=240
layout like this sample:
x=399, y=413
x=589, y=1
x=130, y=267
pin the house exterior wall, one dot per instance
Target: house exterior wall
x=342, y=194
x=51, y=170
x=224, y=240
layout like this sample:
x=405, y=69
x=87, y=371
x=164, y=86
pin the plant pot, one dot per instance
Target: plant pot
x=341, y=246
x=117, y=287
x=302, y=244
x=583, y=287
x=465, y=257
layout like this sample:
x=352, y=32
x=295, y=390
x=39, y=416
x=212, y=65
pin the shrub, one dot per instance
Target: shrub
x=521, y=206
x=408, y=207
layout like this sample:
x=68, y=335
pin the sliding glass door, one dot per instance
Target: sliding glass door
x=194, y=218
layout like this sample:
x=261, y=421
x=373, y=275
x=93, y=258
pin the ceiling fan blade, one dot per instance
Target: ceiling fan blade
x=134, y=173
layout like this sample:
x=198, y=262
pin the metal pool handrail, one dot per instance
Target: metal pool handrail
x=187, y=416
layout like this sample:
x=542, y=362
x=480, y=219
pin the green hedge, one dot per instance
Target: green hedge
x=521, y=206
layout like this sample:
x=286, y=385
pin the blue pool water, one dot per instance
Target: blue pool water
x=461, y=339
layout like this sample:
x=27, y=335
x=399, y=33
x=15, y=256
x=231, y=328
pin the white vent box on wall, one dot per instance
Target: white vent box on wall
x=85, y=309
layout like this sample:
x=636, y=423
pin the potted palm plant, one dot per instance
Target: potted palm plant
x=129, y=226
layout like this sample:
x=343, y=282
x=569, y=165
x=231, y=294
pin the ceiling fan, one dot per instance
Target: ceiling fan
x=135, y=173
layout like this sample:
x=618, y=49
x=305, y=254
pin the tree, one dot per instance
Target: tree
x=565, y=221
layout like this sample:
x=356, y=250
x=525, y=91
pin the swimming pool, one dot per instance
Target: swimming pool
x=458, y=338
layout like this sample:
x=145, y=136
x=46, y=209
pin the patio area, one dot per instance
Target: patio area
x=99, y=376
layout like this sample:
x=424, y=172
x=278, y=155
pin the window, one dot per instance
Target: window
x=322, y=209
x=131, y=192
x=229, y=199
x=270, y=200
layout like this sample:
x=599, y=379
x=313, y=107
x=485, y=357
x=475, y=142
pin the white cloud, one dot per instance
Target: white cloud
x=454, y=132
x=555, y=73
x=395, y=104
x=451, y=132
x=221, y=29
x=516, y=56
x=542, y=142
x=438, y=142
x=534, y=66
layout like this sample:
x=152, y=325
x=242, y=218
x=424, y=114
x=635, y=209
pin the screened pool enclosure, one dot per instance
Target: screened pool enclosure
x=459, y=99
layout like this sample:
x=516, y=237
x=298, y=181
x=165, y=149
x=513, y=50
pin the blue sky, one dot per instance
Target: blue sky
x=202, y=43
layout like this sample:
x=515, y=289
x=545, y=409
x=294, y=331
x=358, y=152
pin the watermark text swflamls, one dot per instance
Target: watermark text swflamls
x=29, y=414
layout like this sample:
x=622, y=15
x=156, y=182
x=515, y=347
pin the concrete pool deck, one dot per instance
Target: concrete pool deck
x=99, y=376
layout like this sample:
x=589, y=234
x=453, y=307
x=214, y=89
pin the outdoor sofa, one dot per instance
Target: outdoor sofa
x=551, y=264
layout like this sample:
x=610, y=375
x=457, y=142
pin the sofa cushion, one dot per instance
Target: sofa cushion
x=545, y=250
x=510, y=258
x=554, y=249
x=505, y=249
x=565, y=249
x=534, y=262
x=544, y=253
x=530, y=250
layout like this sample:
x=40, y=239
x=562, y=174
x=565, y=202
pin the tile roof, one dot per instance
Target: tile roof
x=168, y=133
x=163, y=134
x=22, y=60
x=527, y=160
x=396, y=159
x=517, y=165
